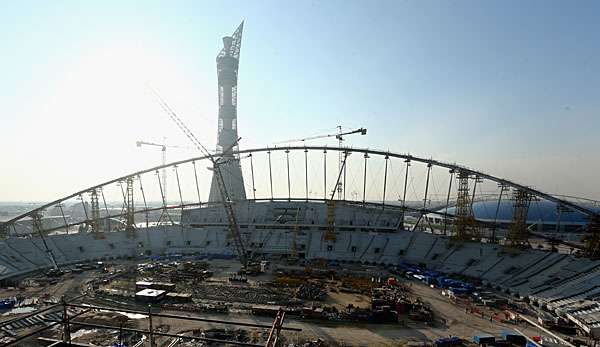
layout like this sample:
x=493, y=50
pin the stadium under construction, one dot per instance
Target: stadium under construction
x=300, y=245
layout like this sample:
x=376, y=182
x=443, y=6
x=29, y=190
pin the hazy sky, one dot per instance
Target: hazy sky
x=508, y=87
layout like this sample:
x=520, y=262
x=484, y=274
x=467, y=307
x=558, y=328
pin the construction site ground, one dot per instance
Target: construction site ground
x=451, y=319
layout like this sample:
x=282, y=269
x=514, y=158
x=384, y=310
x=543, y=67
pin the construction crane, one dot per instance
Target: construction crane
x=342, y=156
x=234, y=228
x=338, y=136
x=163, y=147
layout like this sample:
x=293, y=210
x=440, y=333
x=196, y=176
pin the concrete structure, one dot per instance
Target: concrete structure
x=227, y=71
x=557, y=282
x=150, y=295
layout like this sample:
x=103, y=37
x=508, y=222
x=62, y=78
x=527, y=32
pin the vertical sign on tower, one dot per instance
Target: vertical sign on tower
x=227, y=72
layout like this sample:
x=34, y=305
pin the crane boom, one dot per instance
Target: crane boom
x=140, y=143
x=234, y=228
x=338, y=136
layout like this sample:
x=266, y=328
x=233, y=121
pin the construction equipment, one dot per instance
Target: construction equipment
x=95, y=207
x=234, y=228
x=518, y=233
x=592, y=237
x=163, y=147
x=130, y=208
x=36, y=220
x=330, y=233
x=339, y=136
x=464, y=223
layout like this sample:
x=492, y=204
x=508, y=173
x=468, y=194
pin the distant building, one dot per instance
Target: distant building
x=227, y=72
x=543, y=217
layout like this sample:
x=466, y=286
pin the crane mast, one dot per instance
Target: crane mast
x=164, y=162
x=234, y=228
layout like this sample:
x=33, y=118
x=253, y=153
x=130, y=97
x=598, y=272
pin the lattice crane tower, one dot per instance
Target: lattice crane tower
x=227, y=72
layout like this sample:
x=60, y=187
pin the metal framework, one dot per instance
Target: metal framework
x=67, y=321
x=592, y=241
x=130, y=216
x=518, y=234
x=464, y=197
x=464, y=224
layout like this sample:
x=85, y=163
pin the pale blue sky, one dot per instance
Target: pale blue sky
x=509, y=87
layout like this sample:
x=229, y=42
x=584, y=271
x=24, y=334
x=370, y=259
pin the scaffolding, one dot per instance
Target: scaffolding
x=95, y=206
x=130, y=212
x=330, y=233
x=465, y=228
x=518, y=234
x=592, y=239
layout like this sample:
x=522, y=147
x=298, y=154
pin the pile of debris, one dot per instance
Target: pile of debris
x=237, y=335
x=356, y=284
x=421, y=312
x=175, y=271
x=243, y=294
x=311, y=291
x=392, y=296
x=217, y=307
x=106, y=318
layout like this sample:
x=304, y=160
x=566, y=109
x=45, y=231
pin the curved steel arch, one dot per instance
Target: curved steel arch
x=452, y=166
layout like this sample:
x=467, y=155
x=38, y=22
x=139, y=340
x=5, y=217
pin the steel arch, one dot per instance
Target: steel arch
x=365, y=151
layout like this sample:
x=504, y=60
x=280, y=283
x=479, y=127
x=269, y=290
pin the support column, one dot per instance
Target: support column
x=448, y=201
x=252, y=173
x=407, y=161
x=503, y=188
x=130, y=216
x=198, y=186
x=464, y=223
x=365, y=180
x=306, y=173
x=287, y=160
x=518, y=234
x=95, y=205
x=387, y=158
x=144, y=199
x=270, y=174
x=325, y=174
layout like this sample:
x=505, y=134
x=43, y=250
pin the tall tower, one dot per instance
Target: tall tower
x=227, y=72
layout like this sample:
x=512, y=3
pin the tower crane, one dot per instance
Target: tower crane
x=163, y=147
x=330, y=234
x=338, y=136
x=234, y=228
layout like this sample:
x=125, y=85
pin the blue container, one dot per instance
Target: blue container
x=514, y=338
x=6, y=304
x=484, y=339
x=448, y=341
